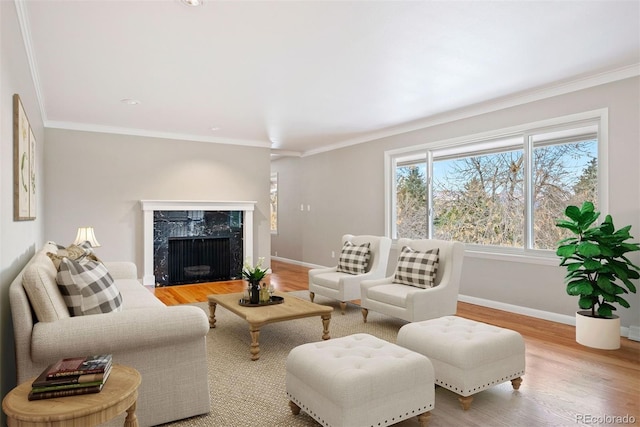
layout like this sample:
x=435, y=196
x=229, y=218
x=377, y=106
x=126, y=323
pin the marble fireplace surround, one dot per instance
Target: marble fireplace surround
x=150, y=206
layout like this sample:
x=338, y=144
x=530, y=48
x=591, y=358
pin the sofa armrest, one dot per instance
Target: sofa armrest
x=122, y=269
x=366, y=284
x=356, y=279
x=124, y=331
x=316, y=271
x=439, y=299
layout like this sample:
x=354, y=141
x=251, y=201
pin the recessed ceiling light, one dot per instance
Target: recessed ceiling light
x=130, y=101
x=214, y=128
x=193, y=3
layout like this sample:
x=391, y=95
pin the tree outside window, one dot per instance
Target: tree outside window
x=498, y=193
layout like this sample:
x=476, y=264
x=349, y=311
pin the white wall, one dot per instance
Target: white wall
x=98, y=179
x=345, y=189
x=18, y=239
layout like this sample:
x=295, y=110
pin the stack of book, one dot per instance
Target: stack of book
x=71, y=377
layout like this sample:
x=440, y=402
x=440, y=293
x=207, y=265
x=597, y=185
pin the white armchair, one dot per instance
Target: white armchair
x=412, y=303
x=331, y=283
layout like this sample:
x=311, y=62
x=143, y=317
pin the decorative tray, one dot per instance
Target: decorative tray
x=272, y=301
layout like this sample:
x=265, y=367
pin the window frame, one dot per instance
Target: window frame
x=476, y=142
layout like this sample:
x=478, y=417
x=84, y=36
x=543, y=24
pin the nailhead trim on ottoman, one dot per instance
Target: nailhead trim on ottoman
x=359, y=380
x=467, y=356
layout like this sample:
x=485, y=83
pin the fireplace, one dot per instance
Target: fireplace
x=195, y=241
x=199, y=259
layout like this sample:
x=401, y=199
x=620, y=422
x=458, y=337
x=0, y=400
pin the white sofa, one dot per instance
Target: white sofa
x=167, y=345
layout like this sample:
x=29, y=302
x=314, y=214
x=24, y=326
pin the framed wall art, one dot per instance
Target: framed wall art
x=24, y=165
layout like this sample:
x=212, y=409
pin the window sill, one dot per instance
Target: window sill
x=542, y=258
x=527, y=258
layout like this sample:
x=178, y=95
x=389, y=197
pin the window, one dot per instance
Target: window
x=274, y=202
x=499, y=192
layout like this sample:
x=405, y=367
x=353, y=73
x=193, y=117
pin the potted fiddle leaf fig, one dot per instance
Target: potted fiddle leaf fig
x=598, y=271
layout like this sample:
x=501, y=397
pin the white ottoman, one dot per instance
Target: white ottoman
x=467, y=356
x=359, y=380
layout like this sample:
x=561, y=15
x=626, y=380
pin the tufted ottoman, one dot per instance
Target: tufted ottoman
x=359, y=380
x=467, y=356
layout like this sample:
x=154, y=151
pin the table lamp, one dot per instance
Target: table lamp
x=86, y=234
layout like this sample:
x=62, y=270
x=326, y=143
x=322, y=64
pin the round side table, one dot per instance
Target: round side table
x=118, y=395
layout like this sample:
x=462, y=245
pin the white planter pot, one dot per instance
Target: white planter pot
x=597, y=332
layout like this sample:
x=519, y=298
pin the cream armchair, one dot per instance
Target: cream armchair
x=412, y=303
x=331, y=283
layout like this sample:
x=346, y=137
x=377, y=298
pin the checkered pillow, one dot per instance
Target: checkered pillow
x=87, y=287
x=354, y=259
x=417, y=268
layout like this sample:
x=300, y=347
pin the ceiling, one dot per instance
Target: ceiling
x=306, y=76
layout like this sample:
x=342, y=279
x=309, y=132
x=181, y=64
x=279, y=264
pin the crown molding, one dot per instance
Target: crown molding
x=25, y=29
x=154, y=134
x=525, y=97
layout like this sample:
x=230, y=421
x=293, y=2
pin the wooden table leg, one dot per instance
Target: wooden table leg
x=212, y=314
x=295, y=409
x=326, y=318
x=515, y=383
x=254, y=331
x=423, y=419
x=465, y=401
x=132, y=419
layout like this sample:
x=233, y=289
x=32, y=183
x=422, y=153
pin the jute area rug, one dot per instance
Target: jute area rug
x=252, y=393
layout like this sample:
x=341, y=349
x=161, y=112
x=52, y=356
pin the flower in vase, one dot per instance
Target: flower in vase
x=254, y=274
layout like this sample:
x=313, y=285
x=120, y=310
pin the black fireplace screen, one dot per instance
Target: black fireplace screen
x=199, y=259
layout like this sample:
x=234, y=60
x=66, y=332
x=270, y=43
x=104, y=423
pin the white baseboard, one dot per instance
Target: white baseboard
x=295, y=262
x=532, y=312
x=634, y=333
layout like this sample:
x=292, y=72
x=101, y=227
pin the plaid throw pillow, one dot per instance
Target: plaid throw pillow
x=354, y=259
x=87, y=287
x=417, y=268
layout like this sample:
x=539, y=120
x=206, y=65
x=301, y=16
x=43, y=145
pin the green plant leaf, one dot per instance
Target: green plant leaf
x=605, y=250
x=579, y=287
x=630, y=247
x=573, y=212
x=622, y=302
x=607, y=225
x=588, y=249
x=630, y=285
x=587, y=218
x=592, y=264
x=567, y=250
x=606, y=310
x=586, y=303
x=605, y=283
x=569, y=225
x=574, y=266
x=623, y=233
x=619, y=269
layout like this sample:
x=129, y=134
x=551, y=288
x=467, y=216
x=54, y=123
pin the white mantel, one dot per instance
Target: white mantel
x=150, y=206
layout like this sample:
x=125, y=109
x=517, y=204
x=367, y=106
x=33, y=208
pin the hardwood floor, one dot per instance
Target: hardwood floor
x=608, y=380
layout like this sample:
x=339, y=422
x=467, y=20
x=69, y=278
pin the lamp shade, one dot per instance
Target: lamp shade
x=86, y=234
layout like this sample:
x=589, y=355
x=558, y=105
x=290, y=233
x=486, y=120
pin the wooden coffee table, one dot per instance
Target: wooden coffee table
x=292, y=308
x=119, y=395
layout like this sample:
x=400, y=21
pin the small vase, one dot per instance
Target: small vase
x=254, y=292
x=264, y=295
